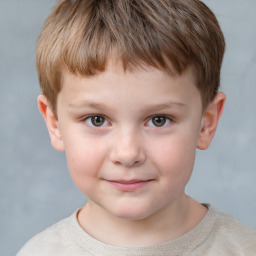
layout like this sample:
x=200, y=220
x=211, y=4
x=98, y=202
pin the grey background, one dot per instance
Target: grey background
x=35, y=187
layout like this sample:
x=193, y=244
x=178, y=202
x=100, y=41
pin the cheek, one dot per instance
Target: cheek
x=175, y=158
x=84, y=159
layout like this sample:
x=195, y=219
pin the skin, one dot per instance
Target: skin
x=134, y=164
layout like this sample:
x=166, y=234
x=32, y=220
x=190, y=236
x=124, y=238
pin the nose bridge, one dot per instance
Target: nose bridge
x=128, y=147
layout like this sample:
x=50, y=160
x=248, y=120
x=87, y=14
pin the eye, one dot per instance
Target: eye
x=159, y=121
x=96, y=121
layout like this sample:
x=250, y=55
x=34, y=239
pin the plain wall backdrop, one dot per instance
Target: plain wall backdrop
x=35, y=187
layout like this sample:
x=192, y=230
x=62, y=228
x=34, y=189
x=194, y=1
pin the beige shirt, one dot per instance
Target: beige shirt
x=217, y=234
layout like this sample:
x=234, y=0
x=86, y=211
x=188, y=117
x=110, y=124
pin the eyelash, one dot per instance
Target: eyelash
x=89, y=117
x=167, y=120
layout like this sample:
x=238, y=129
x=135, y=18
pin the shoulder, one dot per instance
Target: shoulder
x=53, y=241
x=230, y=234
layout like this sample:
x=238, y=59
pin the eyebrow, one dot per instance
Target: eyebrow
x=86, y=104
x=151, y=107
x=162, y=106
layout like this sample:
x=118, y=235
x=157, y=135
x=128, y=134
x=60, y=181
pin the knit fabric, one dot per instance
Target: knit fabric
x=217, y=234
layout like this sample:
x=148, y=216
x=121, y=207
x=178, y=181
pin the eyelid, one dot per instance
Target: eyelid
x=85, y=118
x=171, y=119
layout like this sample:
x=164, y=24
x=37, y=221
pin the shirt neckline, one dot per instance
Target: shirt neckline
x=179, y=246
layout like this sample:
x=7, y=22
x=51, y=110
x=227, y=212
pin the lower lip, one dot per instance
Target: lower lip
x=129, y=187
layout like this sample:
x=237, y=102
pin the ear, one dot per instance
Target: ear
x=210, y=121
x=51, y=122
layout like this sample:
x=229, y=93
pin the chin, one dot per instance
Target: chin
x=132, y=213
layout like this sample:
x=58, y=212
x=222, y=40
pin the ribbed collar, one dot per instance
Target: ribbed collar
x=182, y=245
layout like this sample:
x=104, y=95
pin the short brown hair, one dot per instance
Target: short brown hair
x=171, y=35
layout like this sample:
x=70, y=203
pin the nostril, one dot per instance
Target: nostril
x=127, y=150
x=127, y=164
x=128, y=160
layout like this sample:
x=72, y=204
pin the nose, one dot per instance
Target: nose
x=128, y=150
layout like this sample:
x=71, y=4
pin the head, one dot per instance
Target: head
x=171, y=35
x=129, y=93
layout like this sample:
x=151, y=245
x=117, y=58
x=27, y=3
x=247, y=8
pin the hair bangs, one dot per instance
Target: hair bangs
x=171, y=35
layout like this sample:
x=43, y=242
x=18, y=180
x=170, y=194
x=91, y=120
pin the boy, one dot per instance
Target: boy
x=130, y=90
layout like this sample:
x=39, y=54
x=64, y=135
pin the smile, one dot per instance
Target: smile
x=129, y=185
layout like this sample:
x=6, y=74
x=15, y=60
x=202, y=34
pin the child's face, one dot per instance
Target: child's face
x=130, y=138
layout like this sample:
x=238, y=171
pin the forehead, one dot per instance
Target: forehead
x=140, y=86
x=117, y=74
x=116, y=70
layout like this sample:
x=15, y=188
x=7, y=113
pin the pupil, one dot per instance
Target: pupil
x=159, y=121
x=98, y=120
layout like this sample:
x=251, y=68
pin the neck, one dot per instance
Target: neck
x=167, y=224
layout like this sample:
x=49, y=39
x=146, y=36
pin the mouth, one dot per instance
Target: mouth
x=129, y=185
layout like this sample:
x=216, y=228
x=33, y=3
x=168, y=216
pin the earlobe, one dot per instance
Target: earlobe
x=51, y=122
x=210, y=121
